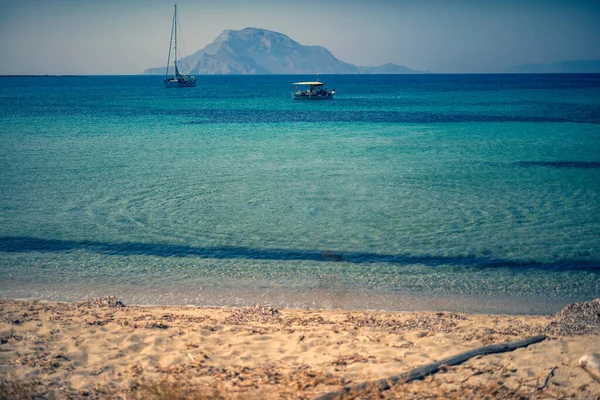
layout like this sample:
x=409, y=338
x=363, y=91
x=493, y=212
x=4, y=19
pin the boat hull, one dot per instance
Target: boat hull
x=313, y=97
x=181, y=82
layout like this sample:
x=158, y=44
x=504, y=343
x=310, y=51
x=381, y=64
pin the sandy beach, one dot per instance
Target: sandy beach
x=101, y=348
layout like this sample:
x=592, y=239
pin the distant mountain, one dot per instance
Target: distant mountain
x=260, y=51
x=575, y=67
x=388, y=68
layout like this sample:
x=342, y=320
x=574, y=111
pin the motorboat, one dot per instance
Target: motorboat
x=312, y=91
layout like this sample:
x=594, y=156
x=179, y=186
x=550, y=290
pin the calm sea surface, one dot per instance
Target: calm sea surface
x=441, y=192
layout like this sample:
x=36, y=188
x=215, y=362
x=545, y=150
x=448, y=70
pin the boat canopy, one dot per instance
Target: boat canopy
x=309, y=83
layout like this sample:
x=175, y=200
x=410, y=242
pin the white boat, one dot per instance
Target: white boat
x=176, y=79
x=312, y=91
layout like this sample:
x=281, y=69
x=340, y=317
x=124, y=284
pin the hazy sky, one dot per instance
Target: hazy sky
x=128, y=36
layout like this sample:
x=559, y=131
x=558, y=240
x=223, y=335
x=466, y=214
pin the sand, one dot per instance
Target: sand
x=102, y=349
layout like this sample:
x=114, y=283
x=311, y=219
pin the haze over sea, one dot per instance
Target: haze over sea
x=476, y=193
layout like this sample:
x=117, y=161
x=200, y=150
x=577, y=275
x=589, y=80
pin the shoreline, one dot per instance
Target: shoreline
x=101, y=348
x=306, y=298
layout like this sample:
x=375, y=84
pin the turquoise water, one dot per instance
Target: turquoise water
x=462, y=192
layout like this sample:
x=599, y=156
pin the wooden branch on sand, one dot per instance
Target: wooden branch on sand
x=425, y=370
x=547, y=379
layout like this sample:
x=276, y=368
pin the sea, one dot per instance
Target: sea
x=468, y=193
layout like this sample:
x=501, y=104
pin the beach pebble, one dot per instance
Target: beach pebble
x=99, y=302
x=577, y=319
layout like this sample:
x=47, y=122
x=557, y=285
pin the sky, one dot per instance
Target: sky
x=105, y=37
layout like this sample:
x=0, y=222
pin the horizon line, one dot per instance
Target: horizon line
x=300, y=74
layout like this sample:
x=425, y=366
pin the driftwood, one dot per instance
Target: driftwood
x=428, y=369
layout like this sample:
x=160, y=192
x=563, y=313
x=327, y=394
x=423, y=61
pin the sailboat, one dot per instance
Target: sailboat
x=176, y=79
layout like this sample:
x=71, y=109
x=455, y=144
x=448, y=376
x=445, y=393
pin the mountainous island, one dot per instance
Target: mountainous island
x=565, y=67
x=260, y=51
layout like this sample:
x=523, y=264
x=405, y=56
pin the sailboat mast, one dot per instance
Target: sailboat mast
x=170, y=46
x=175, y=28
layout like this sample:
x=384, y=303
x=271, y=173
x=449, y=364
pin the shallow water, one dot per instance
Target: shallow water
x=463, y=192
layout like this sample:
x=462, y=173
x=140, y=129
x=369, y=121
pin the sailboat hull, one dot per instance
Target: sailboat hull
x=188, y=81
